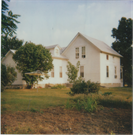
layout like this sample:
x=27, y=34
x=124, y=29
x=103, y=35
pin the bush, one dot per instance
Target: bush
x=87, y=104
x=80, y=86
x=8, y=76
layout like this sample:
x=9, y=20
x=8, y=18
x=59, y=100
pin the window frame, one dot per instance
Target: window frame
x=107, y=57
x=77, y=53
x=83, y=52
x=60, y=73
x=115, y=70
x=107, y=71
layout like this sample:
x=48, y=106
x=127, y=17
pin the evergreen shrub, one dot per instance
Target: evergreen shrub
x=80, y=86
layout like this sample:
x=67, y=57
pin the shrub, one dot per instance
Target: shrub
x=8, y=76
x=80, y=86
x=88, y=104
x=93, y=87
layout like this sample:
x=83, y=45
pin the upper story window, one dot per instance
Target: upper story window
x=82, y=71
x=83, y=52
x=107, y=71
x=60, y=71
x=56, y=51
x=77, y=53
x=52, y=72
x=107, y=56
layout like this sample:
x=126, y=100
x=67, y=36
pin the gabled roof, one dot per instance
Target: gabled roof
x=11, y=50
x=52, y=46
x=62, y=49
x=53, y=56
x=103, y=47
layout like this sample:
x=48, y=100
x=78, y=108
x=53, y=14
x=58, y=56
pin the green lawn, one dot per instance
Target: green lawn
x=123, y=93
x=24, y=99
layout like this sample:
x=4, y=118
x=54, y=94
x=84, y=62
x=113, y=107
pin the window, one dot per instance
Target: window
x=82, y=71
x=107, y=71
x=115, y=73
x=60, y=72
x=107, y=56
x=52, y=72
x=83, y=52
x=121, y=73
x=77, y=52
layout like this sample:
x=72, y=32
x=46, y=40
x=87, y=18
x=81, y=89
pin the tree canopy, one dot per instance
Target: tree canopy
x=31, y=57
x=10, y=43
x=122, y=44
x=8, y=76
x=8, y=21
x=72, y=71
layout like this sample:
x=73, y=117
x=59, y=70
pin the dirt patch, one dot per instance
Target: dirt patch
x=62, y=121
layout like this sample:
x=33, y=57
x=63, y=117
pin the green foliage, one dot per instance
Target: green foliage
x=8, y=22
x=114, y=103
x=68, y=105
x=8, y=76
x=107, y=93
x=31, y=57
x=33, y=110
x=122, y=44
x=58, y=86
x=80, y=86
x=92, y=87
x=10, y=43
x=72, y=71
x=88, y=104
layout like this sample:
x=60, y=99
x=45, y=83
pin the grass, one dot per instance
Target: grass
x=22, y=100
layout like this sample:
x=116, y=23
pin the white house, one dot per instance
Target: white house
x=98, y=62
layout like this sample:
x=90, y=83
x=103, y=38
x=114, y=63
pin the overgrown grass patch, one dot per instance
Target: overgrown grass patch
x=114, y=103
x=87, y=104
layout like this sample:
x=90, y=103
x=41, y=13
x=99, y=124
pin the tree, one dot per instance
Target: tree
x=8, y=76
x=8, y=21
x=72, y=71
x=31, y=57
x=122, y=44
x=10, y=43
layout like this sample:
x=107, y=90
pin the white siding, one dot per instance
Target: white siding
x=92, y=61
x=8, y=61
x=56, y=79
x=111, y=62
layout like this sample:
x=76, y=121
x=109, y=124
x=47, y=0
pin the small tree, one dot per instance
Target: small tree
x=72, y=71
x=31, y=57
x=8, y=76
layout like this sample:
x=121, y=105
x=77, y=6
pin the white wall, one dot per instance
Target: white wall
x=56, y=79
x=8, y=61
x=92, y=61
x=111, y=62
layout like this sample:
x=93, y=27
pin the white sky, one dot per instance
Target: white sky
x=50, y=22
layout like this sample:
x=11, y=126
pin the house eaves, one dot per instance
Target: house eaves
x=100, y=45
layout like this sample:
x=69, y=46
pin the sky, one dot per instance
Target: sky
x=50, y=22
